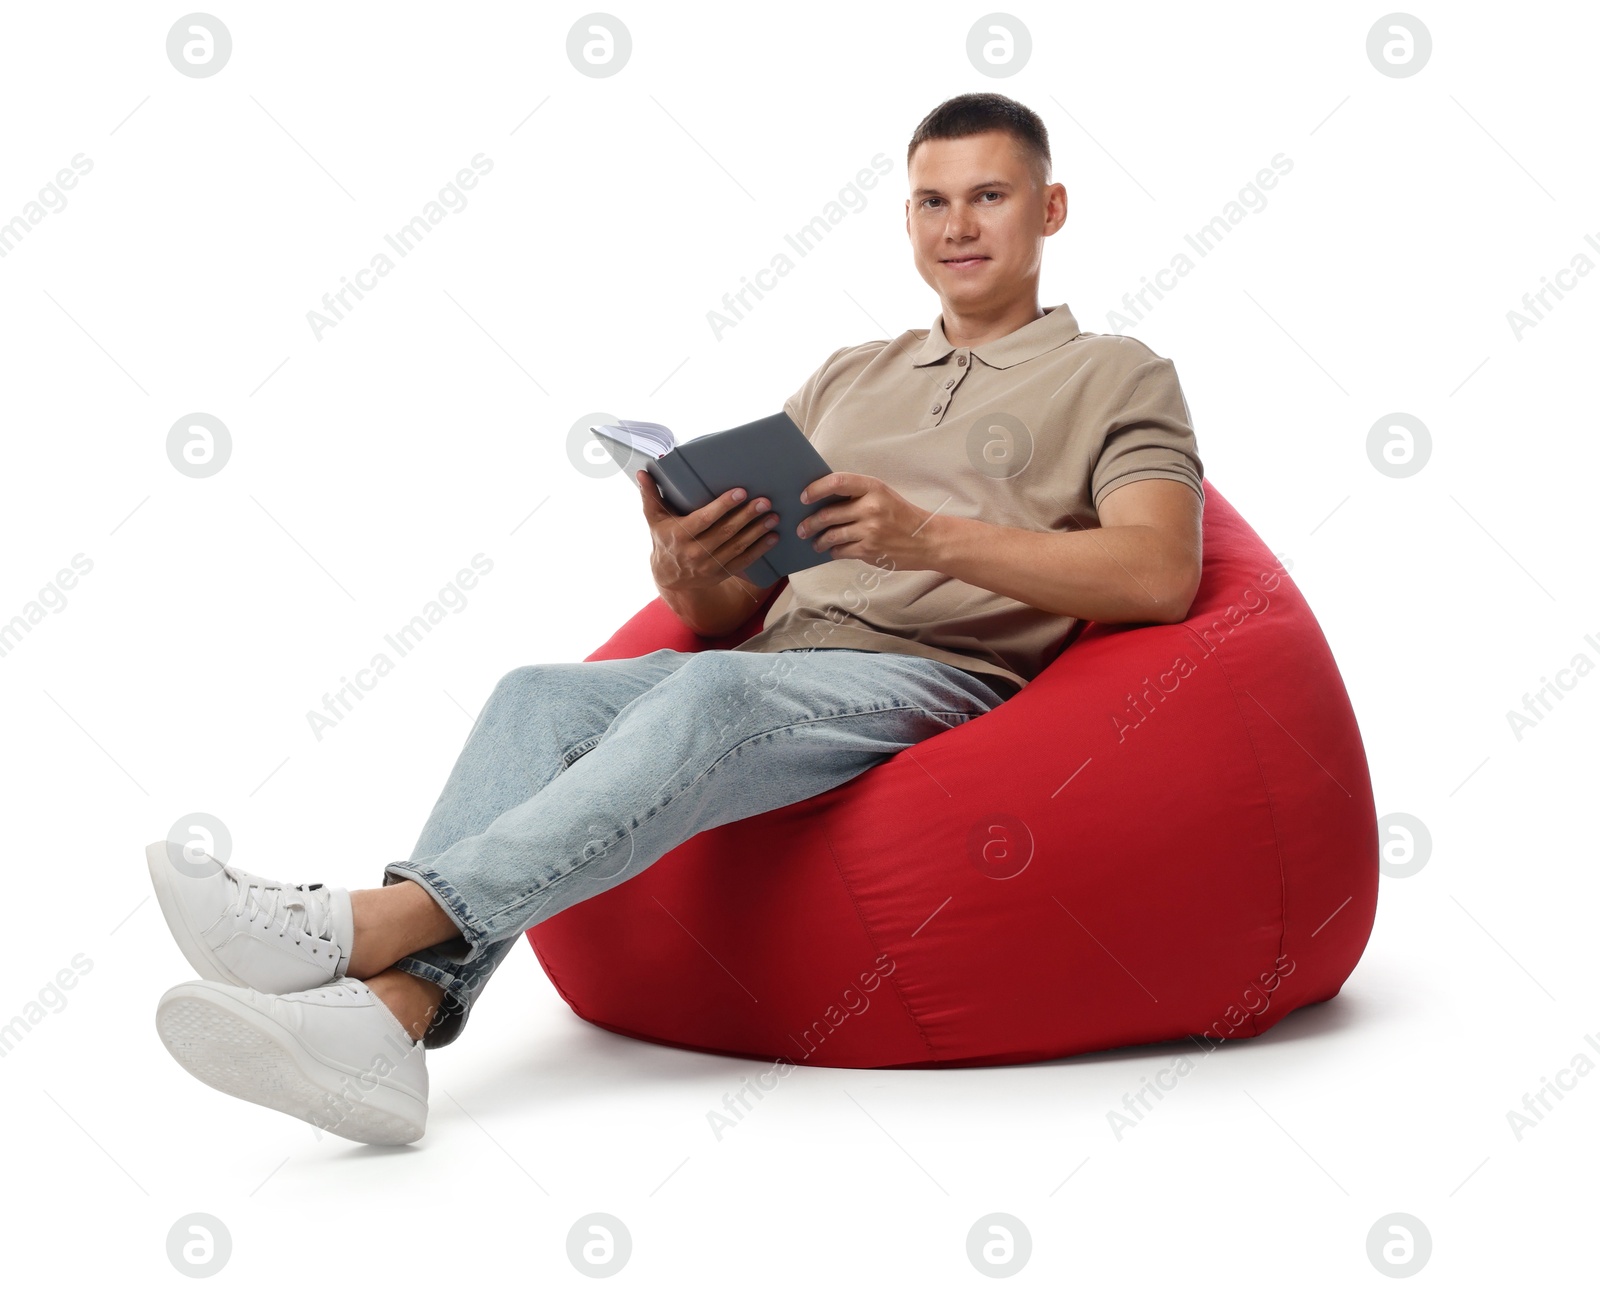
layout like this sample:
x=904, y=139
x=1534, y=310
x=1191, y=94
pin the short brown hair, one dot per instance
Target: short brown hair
x=972, y=114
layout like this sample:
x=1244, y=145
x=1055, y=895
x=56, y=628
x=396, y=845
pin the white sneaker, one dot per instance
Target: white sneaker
x=333, y=1056
x=238, y=928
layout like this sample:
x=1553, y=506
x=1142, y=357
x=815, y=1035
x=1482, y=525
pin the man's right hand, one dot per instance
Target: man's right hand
x=703, y=549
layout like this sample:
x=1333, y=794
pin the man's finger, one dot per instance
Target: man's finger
x=848, y=484
x=718, y=508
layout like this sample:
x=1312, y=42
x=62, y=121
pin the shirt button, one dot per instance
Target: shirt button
x=961, y=360
x=936, y=408
x=949, y=383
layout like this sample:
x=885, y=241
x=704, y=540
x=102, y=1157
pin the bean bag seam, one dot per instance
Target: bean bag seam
x=806, y=722
x=866, y=929
x=1272, y=811
x=550, y=973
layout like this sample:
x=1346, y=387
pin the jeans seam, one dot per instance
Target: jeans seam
x=579, y=750
x=725, y=755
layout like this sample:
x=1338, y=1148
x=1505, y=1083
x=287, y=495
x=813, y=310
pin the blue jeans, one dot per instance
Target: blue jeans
x=577, y=776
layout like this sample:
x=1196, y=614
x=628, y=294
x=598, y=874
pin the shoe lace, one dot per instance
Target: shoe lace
x=292, y=906
x=343, y=987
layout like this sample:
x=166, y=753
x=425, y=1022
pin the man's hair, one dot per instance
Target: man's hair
x=971, y=114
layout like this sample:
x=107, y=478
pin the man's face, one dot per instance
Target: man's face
x=977, y=219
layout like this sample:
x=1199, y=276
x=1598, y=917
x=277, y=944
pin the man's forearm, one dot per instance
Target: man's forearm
x=714, y=611
x=1119, y=574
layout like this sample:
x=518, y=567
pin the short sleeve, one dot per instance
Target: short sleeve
x=801, y=406
x=1148, y=435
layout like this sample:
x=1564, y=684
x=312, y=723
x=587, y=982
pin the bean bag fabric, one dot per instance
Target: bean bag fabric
x=1168, y=833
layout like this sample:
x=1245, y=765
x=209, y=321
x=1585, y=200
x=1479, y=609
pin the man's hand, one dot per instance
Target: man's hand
x=875, y=523
x=692, y=553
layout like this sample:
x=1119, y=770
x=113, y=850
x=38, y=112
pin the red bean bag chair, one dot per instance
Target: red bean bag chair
x=1169, y=833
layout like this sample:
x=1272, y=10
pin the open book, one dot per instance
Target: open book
x=770, y=458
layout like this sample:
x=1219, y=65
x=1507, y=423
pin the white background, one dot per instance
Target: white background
x=431, y=424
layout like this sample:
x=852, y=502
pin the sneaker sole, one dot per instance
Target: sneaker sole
x=242, y=1052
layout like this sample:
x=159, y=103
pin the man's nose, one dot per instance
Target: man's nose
x=959, y=224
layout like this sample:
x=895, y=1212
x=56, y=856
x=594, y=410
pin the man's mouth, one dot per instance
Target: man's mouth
x=964, y=262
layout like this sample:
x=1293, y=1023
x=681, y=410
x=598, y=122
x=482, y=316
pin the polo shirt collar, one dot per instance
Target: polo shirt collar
x=1055, y=328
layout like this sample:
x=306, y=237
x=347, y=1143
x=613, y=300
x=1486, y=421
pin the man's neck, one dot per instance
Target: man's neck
x=983, y=326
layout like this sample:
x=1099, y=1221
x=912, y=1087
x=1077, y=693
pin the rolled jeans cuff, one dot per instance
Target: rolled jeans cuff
x=447, y=964
x=454, y=1005
x=473, y=936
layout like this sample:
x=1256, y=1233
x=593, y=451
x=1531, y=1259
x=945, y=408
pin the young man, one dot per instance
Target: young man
x=1005, y=478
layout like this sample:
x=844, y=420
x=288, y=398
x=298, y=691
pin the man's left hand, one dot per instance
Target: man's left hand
x=875, y=525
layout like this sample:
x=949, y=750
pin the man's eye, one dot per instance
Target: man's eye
x=993, y=192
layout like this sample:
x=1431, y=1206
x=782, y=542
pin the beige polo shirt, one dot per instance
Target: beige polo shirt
x=1031, y=431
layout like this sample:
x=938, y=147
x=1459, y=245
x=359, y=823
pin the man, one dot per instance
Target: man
x=1005, y=478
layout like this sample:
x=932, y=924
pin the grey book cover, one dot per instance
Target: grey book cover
x=768, y=458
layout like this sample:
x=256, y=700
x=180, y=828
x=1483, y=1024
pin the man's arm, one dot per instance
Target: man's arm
x=1141, y=566
x=719, y=609
x=690, y=557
